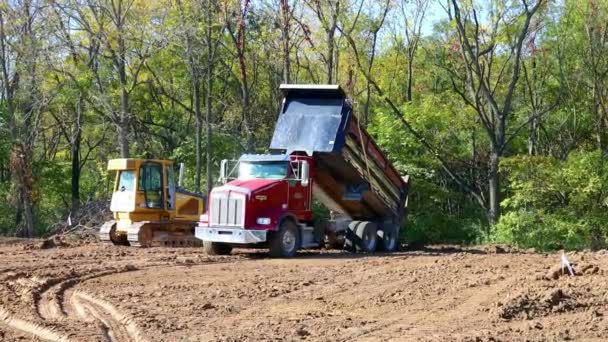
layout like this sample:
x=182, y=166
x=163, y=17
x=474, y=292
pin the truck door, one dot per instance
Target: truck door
x=299, y=196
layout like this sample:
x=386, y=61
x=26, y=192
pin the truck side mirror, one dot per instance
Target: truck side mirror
x=305, y=176
x=223, y=171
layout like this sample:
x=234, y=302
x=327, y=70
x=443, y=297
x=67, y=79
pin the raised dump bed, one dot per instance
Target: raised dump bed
x=351, y=174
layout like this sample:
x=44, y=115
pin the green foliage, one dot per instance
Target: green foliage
x=556, y=204
x=224, y=146
x=554, y=199
x=52, y=194
x=440, y=215
x=438, y=212
x=7, y=212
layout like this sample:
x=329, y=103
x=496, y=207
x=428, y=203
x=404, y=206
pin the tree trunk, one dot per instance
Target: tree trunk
x=533, y=135
x=24, y=220
x=331, y=32
x=125, y=119
x=286, y=14
x=246, y=122
x=3, y=177
x=19, y=213
x=28, y=214
x=494, y=186
x=123, y=139
x=199, y=131
x=208, y=92
x=598, y=110
x=368, y=93
x=75, y=151
x=408, y=85
x=241, y=42
x=330, y=56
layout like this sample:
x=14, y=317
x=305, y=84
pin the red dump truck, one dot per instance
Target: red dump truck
x=318, y=151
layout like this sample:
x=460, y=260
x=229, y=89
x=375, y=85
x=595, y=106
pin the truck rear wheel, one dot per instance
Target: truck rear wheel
x=216, y=248
x=285, y=242
x=388, y=239
x=362, y=236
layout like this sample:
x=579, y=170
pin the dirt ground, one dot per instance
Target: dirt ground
x=93, y=292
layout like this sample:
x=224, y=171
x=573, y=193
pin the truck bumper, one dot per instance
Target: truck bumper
x=230, y=235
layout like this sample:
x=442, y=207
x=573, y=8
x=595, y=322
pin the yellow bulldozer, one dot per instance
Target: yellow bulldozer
x=148, y=208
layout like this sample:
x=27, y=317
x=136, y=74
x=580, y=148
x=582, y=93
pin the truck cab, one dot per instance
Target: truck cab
x=260, y=193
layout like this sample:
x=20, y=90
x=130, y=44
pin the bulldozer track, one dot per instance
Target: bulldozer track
x=105, y=232
x=153, y=234
x=134, y=234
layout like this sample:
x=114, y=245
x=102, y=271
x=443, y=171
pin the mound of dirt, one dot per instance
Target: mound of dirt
x=529, y=304
x=588, y=269
x=558, y=271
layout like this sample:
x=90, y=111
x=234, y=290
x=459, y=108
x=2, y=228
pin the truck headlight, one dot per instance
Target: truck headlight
x=263, y=220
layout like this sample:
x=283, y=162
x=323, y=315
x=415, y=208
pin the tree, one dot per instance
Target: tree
x=190, y=23
x=327, y=13
x=119, y=54
x=286, y=18
x=412, y=14
x=480, y=50
x=236, y=25
x=375, y=26
x=595, y=54
x=23, y=50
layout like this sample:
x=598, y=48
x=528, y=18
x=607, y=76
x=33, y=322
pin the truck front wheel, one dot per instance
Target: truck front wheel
x=285, y=242
x=216, y=248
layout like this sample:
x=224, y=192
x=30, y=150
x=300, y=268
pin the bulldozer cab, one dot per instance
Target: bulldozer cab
x=145, y=184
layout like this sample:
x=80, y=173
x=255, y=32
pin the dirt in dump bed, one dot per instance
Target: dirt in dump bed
x=94, y=292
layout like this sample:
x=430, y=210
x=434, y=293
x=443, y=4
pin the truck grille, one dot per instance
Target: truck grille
x=227, y=210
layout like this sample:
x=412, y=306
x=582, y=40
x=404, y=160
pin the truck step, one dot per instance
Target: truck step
x=310, y=245
x=308, y=237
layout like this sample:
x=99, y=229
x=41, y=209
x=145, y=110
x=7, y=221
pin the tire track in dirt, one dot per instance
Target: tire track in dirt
x=50, y=304
x=49, y=300
x=121, y=326
x=420, y=322
x=52, y=300
x=30, y=328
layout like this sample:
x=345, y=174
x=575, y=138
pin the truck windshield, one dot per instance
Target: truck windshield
x=267, y=170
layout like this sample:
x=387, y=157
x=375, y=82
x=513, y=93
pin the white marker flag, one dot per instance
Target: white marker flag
x=566, y=264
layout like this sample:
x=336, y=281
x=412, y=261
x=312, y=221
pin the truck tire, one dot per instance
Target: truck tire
x=216, y=248
x=388, y=239
x=285, y=242
x=362, y=237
